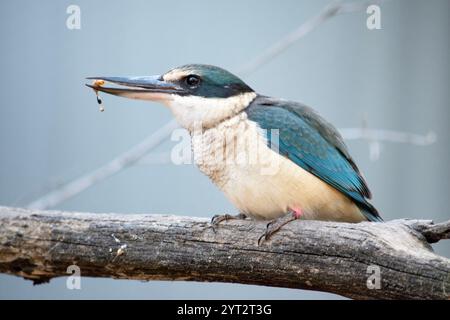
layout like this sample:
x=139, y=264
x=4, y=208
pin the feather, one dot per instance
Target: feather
x=313, y=144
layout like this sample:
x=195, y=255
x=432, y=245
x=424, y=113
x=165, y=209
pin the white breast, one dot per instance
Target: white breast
x=260, y=182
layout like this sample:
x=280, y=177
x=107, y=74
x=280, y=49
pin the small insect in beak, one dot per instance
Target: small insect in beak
x=98, y=83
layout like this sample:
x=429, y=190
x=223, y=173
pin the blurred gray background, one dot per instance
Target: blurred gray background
x=51, y=131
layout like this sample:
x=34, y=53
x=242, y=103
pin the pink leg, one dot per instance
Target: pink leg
x=296, y=212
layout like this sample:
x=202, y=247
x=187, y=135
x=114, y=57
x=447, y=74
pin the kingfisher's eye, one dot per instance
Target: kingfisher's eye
x=192, y=81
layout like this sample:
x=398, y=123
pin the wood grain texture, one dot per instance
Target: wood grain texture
x=313, y=255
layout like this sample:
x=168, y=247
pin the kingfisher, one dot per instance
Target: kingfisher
x=274, y=159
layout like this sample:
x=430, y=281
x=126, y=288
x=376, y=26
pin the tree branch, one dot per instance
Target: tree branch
x=314, y=255
x=433, y=232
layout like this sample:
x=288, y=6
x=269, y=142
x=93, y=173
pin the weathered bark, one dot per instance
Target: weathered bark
x=314, y=255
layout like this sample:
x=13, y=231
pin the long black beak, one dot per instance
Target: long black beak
x=143, y=88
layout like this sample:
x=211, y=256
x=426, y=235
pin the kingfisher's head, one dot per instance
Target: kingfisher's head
x=197, y=94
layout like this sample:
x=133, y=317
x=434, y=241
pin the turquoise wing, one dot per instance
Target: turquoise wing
x=313, y=144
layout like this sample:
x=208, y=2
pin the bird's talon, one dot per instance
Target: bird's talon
x=214, y=218
x=218, y=218
x=260, y=238
x=275, y=225
x=266, y=235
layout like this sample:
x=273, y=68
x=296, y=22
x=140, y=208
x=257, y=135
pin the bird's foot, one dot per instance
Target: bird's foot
x=275, y=225
x=218, y=218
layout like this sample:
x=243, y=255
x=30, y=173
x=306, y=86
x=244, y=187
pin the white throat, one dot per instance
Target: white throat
x=193, y=111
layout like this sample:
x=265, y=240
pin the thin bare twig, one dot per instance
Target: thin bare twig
x=376, y=136
x=330, y=11
x=388, y=135
x=119, y=163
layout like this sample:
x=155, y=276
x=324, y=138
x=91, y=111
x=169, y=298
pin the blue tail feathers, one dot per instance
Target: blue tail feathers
x=370, y=212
